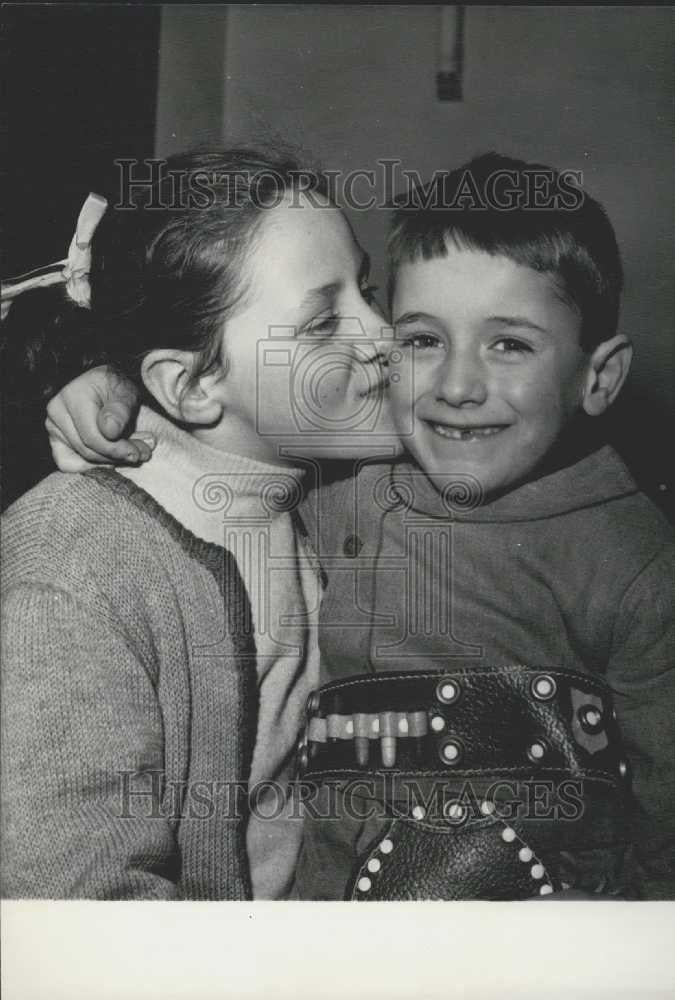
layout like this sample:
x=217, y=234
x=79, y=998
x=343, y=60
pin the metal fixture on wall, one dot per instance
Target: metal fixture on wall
x=451, y=52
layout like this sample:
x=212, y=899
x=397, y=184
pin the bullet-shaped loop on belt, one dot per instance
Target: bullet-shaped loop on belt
x=388, y=730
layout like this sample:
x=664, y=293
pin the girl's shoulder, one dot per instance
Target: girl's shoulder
x=70, y=523
x=71, y=528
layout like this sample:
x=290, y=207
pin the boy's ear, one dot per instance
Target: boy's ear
x=167, y=375
x=607, y=370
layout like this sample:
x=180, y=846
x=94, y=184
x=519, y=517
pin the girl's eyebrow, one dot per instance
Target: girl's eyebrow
x=321, y=295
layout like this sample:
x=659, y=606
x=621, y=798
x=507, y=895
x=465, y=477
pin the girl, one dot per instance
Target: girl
x=158, y=621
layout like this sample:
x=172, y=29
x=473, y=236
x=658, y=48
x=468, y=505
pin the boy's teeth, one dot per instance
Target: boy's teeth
x=459, y=434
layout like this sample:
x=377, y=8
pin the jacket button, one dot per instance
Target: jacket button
x=352, y=546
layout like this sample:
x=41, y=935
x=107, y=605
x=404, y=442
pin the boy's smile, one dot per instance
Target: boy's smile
x=497, y=366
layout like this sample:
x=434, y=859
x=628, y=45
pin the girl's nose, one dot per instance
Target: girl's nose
x=461, y=380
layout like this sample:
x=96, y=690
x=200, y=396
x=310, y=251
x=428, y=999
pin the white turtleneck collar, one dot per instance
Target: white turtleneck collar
x=202, y=486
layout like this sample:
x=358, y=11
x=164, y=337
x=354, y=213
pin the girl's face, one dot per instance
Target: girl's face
x=303, y=371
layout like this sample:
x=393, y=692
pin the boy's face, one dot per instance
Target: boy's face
x=497, y=366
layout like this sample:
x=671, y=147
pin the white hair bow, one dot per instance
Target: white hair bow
x=73, y=269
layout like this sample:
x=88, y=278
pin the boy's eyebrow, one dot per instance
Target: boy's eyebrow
x=517, y=321
x=414, y=317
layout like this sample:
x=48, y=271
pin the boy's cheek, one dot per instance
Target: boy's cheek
x=402, y=411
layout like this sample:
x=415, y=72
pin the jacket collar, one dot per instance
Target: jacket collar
x=594, y=479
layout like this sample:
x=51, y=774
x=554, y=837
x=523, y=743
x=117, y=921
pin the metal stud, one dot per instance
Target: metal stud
x=487, y=808
x=437, y=723
x=418, y=812
x=448, y=691
x=386, y=846
x=536, y=751
x=525, y=854
x=590, y=718
x=537, y=871
x=450, y=752
x=508, y=834
x=543, y=687
x=545, y=890
x=364, y=884
x=374, y=865
x=455, y=812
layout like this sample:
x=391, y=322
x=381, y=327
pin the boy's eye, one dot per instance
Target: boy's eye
x=511, y=345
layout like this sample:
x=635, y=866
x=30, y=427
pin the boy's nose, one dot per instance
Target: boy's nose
x=461, y=382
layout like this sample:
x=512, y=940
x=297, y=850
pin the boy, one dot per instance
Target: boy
x=509, y=534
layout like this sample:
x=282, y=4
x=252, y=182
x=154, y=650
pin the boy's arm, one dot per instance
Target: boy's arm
x=87, y=418
x=642, y=674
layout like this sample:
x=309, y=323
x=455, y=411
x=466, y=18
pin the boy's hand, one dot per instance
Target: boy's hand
x=86, y=419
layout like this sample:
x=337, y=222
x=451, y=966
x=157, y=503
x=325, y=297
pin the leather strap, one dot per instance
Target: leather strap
x=515, y=721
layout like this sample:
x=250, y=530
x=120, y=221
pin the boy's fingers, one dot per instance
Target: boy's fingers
x=95, y=450
x=82, y=432
x=68, y=451
x=66, y=459
x=120, y=399
x=114, y=417
x=144, y=444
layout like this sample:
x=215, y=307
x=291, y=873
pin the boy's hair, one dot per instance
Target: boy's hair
x=534, y=215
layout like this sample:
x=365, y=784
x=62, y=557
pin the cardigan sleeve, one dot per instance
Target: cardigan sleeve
x=641, y=673
x=85, y=813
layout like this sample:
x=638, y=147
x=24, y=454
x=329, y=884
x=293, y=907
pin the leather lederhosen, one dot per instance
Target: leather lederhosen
x=500, y=783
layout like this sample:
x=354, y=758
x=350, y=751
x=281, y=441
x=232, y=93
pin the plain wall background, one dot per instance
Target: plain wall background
x=587, y=88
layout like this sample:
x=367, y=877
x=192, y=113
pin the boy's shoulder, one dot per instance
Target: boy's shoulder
x=605, y=495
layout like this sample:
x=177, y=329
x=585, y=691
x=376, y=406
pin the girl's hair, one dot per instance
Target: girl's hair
x=168, y=268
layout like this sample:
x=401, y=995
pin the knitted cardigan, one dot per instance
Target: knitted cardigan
x=129, y=700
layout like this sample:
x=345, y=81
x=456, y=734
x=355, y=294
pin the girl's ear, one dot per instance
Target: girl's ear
x=167, y=376
x=608, y=367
